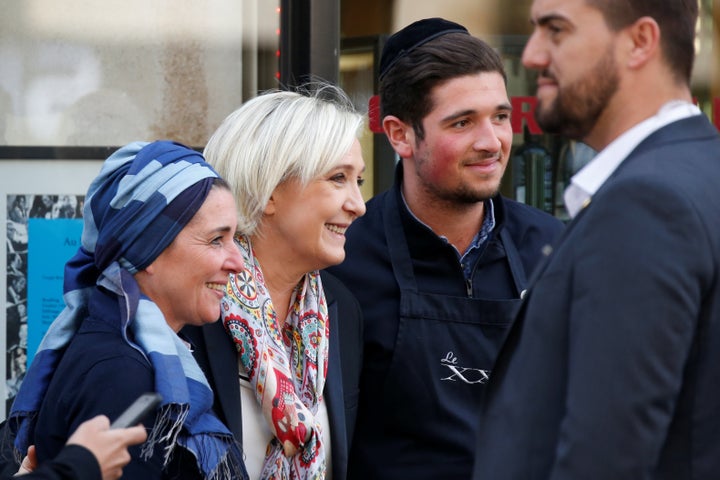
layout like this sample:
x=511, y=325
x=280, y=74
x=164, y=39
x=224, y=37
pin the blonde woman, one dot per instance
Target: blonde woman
x=286, y=365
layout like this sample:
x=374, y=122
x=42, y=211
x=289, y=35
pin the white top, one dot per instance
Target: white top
x=256, y=431
x=585, y=183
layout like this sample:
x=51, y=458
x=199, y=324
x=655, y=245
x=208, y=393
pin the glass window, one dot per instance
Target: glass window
x=86, y=73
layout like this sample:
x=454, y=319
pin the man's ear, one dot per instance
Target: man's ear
x=645, y=37
x=400, y=135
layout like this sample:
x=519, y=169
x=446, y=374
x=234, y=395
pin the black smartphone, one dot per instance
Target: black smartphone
x=140, y=408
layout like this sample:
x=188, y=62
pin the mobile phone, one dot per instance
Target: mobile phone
x=140, y=408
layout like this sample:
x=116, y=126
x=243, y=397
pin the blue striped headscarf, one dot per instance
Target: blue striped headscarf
x=143, y=197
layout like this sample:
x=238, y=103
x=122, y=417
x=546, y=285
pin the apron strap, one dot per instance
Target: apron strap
x=397, y=244
x=516, y=266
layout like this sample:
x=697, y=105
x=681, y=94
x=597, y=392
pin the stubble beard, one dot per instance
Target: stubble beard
x=463, y=195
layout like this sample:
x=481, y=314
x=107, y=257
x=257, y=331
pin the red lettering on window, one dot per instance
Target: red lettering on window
x=524, y=110
x=375, y=123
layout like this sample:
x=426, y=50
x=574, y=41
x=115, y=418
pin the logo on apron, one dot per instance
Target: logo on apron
x=468, y=375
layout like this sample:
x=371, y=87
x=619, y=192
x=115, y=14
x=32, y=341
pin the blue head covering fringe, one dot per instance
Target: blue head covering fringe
x=143, y=197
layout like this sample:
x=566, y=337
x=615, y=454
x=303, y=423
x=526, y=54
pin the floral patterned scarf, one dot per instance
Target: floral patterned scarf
x=286, y=364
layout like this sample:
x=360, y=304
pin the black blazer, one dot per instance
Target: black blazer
x=612, y=367
x=217, y=356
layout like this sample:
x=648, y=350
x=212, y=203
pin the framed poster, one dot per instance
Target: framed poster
x=40, y=219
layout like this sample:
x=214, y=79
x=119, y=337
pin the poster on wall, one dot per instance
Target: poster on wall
x=43, y=227
x=40, y=239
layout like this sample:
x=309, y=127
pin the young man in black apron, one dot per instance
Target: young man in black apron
x=440, y=260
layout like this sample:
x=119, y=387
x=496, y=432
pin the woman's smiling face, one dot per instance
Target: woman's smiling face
x=187, y=280
x=307, y=224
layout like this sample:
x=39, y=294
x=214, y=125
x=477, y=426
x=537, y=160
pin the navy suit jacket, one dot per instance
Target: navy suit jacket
x=612, y=367
x=216, y=354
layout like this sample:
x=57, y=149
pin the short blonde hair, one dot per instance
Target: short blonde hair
x=281, y=135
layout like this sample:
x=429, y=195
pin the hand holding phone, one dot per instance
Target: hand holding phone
x=140, y=408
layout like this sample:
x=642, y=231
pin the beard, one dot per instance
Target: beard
x=578, y=106
x=463, y=194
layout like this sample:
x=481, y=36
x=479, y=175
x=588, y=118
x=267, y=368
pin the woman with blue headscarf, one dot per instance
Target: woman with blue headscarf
x=157, y=249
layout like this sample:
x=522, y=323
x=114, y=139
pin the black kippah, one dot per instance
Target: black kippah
x=409, y=38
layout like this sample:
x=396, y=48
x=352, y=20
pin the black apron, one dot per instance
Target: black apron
x=443, y=355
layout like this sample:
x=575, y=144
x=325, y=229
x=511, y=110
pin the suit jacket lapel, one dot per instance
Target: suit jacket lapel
x=222, y=358
x=333, y=392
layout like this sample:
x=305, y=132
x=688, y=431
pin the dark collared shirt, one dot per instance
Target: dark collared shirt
x=473, y=252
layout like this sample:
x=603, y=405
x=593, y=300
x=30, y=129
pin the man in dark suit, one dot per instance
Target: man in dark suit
x=611, y=369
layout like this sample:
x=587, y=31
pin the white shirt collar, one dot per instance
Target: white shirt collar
x=590, y=178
